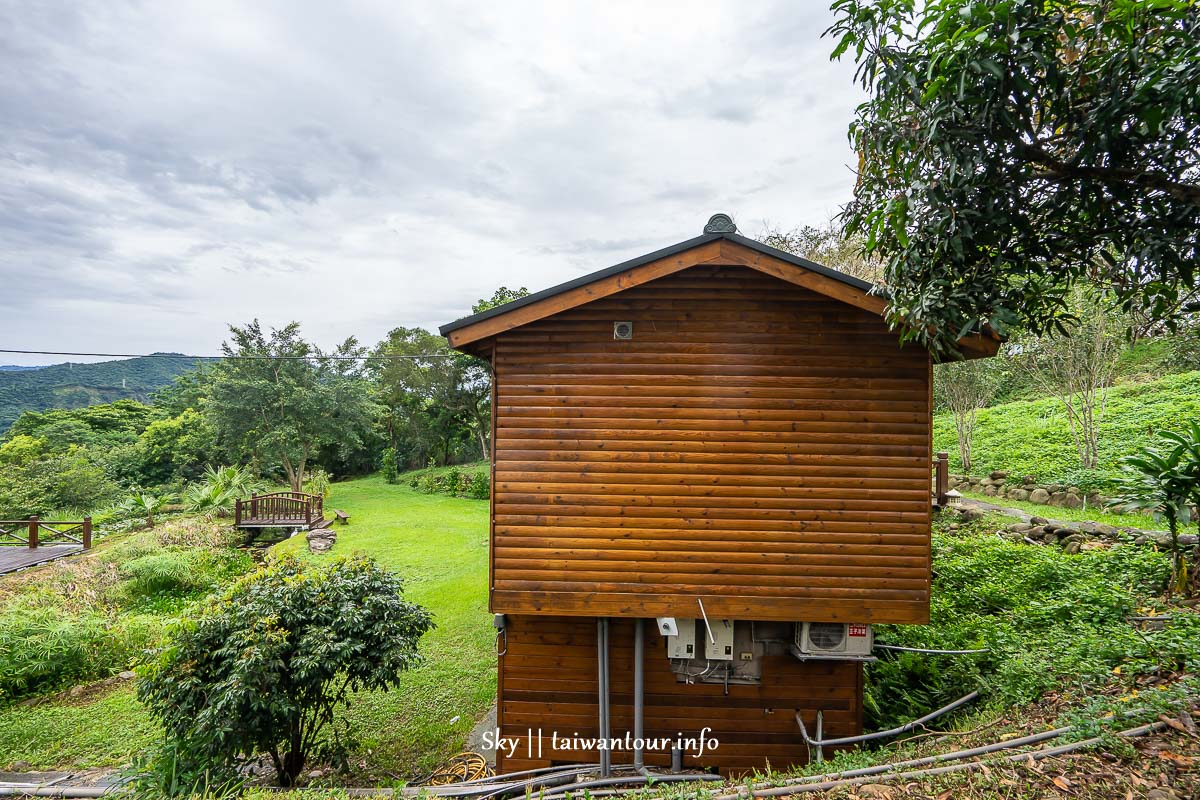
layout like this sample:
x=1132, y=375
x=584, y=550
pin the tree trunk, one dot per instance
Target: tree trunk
x=291, y=472
x=293, y=760
x=298, y=480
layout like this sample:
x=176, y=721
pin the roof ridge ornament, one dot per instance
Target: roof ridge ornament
x=720, y=223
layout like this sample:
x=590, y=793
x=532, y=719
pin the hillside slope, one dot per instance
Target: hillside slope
x=79, y=385
x=1033, y=437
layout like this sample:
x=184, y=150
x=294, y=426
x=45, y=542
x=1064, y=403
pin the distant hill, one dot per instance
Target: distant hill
x=78, y=385
x=17, y=368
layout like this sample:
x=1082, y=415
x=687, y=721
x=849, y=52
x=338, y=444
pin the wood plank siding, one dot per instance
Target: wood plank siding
x=548, y=681
x=757, y=445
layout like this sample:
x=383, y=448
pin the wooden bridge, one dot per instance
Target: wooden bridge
x=26, y=542
x=281, y=510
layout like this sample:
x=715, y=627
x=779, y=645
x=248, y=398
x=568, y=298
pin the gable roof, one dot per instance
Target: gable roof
x=719, y=247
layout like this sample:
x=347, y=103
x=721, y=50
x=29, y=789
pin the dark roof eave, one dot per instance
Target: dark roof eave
x=584, y=280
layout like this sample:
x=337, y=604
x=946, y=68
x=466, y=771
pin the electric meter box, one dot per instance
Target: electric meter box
x=683, y=644
x=718, y=646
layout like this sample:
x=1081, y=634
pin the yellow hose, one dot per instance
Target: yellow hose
x=459, y=768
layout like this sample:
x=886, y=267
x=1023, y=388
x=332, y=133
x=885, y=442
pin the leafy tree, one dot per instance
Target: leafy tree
x=1011, y=149
x=1077, y=366
x=388, y=466
x=965, y=387
x=177, y=447
x=499, y=297
x=827, y=245
x=34, y=480
x=75, y=386
x=22, y=449
x=190, y=389
x=435, y=398
x=264, y=667
x=1165, y=479
x=277, y=396
x=104, y=425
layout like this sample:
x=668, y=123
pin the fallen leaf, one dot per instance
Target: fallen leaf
x=1061, y=782
x=878, y=790
x=1175, y=724
x=946, y=795
x=1175, y=758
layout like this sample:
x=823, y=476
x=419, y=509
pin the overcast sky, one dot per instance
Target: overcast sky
x=167, y=168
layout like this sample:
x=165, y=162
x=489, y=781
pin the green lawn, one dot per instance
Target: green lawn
x=439, y=544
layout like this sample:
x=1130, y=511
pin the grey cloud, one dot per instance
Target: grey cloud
x=212, y=161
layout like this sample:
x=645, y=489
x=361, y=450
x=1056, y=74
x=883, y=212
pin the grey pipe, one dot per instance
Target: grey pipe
x=1037, y=755
x=866, y=737
x=602, y=658
x=634, y=780
x=639, y=693
x=901, y=649
x=59, y=791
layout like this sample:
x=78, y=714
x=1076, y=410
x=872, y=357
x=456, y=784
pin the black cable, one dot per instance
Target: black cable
x=232, y=358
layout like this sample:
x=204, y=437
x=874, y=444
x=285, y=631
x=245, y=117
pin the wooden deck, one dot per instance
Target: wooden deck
x=15, y=557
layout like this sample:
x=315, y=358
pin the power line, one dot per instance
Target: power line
x=223, y=358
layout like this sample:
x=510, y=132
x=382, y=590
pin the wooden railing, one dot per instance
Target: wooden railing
x=33, y=531
x=941, y=478
x=285, y=508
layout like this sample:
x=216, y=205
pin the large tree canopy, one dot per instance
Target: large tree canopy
x=1011, y=149
x=275, y=396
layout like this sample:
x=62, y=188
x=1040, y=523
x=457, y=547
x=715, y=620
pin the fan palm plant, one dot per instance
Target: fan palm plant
x=209, y=499
x=147, y=505
x=234, y=480
x=1165, y=480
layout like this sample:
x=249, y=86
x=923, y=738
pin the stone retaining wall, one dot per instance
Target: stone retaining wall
x=999, y=484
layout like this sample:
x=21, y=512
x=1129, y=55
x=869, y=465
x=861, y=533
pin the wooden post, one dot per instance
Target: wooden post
x=237, y=512
x=254, y=505
x=942, y=477
x=33, y=533
x=87, y=533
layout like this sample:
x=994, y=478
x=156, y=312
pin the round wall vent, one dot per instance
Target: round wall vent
x=623, y=330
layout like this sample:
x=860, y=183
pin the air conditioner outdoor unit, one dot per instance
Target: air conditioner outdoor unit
x=846, y=641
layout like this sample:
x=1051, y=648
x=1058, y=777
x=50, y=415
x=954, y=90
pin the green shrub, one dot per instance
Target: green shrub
x=264, y=666
x=479, y=486
x=44, y=647
x=1049, y=620
x=132, y=547
x=388, y=465
x=453, y=481
x=471, y=480
x=182, y=572
x=317, y=482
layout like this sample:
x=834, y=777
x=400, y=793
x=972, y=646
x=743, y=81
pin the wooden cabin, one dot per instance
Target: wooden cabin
x=719, y=442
